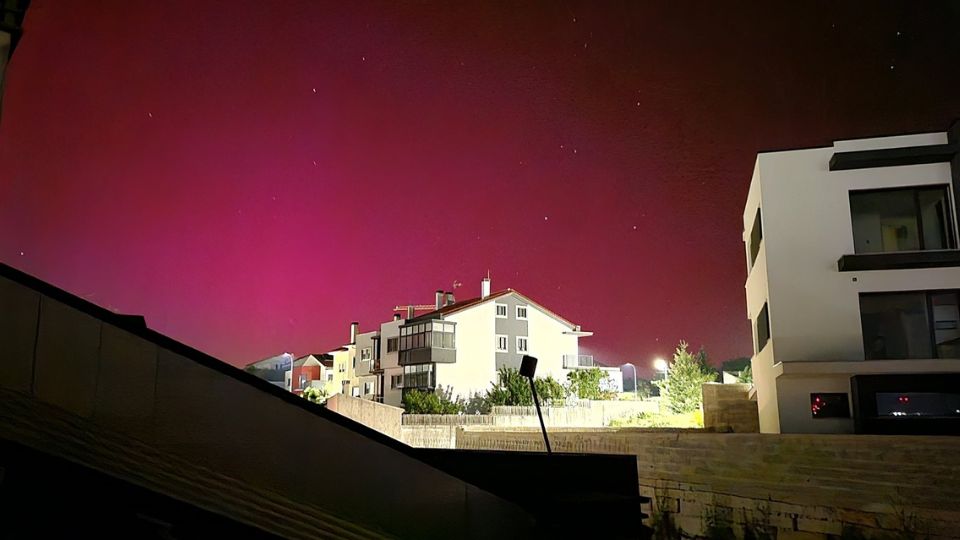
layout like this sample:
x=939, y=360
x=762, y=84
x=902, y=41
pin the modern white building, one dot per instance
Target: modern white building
x=460, y=345
x=853, y=284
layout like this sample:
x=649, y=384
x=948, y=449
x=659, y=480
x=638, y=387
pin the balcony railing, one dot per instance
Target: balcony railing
x=578, y=361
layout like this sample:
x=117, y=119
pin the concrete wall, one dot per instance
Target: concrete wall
x=389, y=362
x=585, y=414
x=58, y=355
x=383, y=418
x=804, y=486
x=814, y=309
x=728, y=407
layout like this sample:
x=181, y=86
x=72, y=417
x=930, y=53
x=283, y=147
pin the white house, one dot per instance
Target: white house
x=853, y=285
x=461, y=345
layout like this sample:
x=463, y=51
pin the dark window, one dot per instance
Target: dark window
x=829, y=406
x=918, y=404
x=763, y=328
x=910, y=325
x=908, y=219
x=756, y=235
x=392, y=344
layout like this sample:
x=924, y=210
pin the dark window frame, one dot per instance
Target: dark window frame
x=763, y=322
x=756, y=238
x=950, y=233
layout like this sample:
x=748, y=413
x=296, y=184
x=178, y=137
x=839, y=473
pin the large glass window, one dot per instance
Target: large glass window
x=436, y=334
x=419, y=376
x=910, y=325
x=908, y=219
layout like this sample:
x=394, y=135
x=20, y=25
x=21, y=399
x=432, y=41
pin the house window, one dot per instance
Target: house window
x=303, y=381
x=367, y=388
x=355, y=391
x=756, y=235
x=903, y=219
x=392, y=344
x=521, y=312
x=396, y=381
x=501, y=311
x=763, y=327
x=521, y=344
x=501, y=343
x=329, y=376
x=829, y=406
x=365, y=354
x=436, y=334
x=906, y=325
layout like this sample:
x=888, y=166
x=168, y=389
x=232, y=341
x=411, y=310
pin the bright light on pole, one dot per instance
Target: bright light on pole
x=660, y=364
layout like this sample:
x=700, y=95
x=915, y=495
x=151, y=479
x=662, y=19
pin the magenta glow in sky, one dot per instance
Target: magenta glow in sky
x=252, y=177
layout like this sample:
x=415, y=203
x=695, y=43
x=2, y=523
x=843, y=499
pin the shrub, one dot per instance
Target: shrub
x=591, y=383
x=438, y=402
x=513, y=389
x=315, y=395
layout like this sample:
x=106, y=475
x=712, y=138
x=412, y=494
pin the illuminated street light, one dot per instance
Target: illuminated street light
x=660, y=365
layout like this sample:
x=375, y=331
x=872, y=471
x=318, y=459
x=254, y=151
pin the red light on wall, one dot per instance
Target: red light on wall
x=904, y=399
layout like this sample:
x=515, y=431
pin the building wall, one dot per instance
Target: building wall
x=389, y=362
x=814, y=310
x=728, y=407
x=549, y=343
x=512, y=327
x=383, y=418
x=801, y=486
x=343, y=369
x=474, y=369
x=362, y=370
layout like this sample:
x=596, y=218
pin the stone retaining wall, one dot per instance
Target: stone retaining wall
x=728, y=407
x=801, y=486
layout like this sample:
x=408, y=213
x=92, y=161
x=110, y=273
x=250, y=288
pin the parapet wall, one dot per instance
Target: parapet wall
x=383, y=418
x=801, y=486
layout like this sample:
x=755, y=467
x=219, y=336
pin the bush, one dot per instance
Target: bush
x=513, y=389
x=681, y=390
x=438, y=402
x=745, y=376
x=591, y=383
x=315, y=395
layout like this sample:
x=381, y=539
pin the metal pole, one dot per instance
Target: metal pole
x=543, y=427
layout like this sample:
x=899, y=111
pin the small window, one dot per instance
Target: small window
x=501, y=343
x=392, y=344
x=367, y=388
x=329, y=376
x=829, y=406
x=521, y=312
x=501, y=311
x=365, y=354
x=521, y=344
x=763, y=328
x=355, y=391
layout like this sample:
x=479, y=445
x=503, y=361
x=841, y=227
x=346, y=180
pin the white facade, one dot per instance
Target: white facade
x=813, y=303
x=471, y=365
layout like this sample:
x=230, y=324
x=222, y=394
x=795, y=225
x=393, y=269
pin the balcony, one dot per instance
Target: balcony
x=578, y=361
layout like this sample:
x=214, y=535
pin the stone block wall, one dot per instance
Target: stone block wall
x=383, y=418
x=728, y=407
x=795, y=486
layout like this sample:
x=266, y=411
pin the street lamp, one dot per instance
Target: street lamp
x=634, y=377
x=660, y=365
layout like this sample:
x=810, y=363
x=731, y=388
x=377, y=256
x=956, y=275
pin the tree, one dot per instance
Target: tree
x=315, y=395
x=589, y=384
x=513, y=389
x=681, y=389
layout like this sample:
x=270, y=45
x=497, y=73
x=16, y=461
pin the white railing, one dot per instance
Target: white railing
x=577, y=361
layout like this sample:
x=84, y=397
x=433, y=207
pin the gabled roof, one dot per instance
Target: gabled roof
x=473, y=302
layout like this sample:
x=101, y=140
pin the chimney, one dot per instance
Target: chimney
x=485, y=287
x=410, y=312
x=396, y=316
x=439, y=299
x=450, y=299
x=353, y=332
